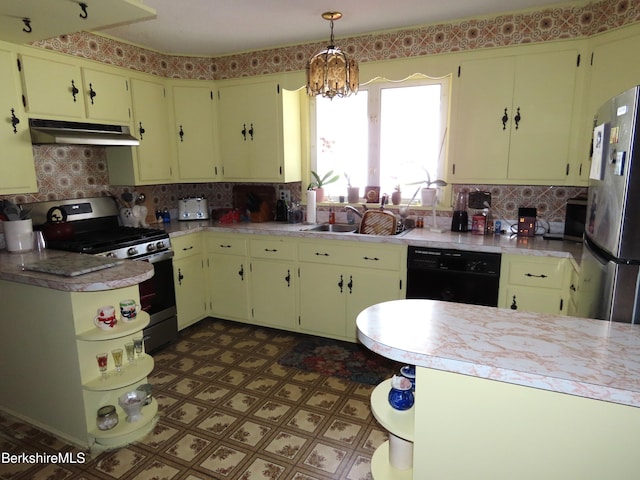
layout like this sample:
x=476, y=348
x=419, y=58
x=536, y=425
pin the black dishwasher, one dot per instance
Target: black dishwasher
x=453, y=275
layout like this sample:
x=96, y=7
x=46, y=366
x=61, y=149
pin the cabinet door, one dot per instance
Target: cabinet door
x=323, y=299
x=539, y=300
x=229, y=287
x=151, y=127
x=480, y=141
x=52, y=88
x=194, y=133
x=273, y=293
x=368, y=287
x=265, y=148
x=544, y=99
x=190, y=282
x=16, y=160
x=106, y=96
x=235, y=134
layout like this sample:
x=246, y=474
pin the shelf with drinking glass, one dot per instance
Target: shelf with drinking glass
x=131, y=373
x=125, y=428
x=121, y=329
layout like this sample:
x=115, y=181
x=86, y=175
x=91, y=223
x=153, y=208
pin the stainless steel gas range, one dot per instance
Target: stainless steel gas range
x=92, y=226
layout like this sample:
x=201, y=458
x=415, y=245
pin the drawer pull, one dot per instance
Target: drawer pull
x=273, y=250
x=572, y=287
x=187, y=248
x=341, y=283
x=514, y=305
x=375, y=259
x=224, y=246
x=241, y=272
x=350, y=284
x=321, y=254
x=536, y=276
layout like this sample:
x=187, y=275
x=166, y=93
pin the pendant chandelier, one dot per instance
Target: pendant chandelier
x=329, y=72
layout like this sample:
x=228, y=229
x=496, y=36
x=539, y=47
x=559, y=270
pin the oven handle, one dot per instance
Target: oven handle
x=157, y=257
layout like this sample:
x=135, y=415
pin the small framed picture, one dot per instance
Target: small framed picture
x=372, y=194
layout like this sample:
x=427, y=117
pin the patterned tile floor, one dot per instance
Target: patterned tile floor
x=227, y=410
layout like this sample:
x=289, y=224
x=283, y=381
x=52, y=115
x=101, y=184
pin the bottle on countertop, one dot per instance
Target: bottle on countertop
x=332, y=216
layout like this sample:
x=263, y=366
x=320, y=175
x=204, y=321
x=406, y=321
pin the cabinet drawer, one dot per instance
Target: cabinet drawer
x=186, y=246
x=275, y=249
x=543, y=272
x=227, y=245
x=357, y=256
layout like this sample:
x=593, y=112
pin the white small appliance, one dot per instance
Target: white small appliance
x=193, y=208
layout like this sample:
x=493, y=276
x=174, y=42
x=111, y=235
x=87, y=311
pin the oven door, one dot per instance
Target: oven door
x=158, y=299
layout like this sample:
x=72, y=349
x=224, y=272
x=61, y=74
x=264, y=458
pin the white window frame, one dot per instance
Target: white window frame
x=374, y=88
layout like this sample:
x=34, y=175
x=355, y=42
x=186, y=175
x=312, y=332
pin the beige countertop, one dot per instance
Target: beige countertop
x=133, y=272
x=576, y=356
x=420, y=237
x=130, y=272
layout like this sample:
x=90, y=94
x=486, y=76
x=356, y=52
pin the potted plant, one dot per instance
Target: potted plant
x=428, y=194
x=353, y=193
x=319, y=182
x=396, y=196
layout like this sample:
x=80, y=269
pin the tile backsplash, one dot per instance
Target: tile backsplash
x=76, y=172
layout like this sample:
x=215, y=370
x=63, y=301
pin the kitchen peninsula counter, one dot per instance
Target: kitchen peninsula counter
x=502, y=394
x=128, y=273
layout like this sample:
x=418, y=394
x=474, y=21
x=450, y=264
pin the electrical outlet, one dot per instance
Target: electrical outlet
x=285, y=194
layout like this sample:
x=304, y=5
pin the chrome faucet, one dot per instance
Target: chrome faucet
x=353, y=209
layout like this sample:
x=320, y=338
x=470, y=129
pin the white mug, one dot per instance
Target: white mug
x=129, y=309
x=106, y=317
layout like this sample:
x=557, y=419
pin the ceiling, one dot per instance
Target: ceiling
x=220, y=27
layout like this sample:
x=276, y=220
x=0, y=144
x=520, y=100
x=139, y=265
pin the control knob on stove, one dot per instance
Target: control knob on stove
x=132, y=251
x=151, y=247
x=160, y=245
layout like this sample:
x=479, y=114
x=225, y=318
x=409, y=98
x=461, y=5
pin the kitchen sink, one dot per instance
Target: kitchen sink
x=333, y=228
x=348, y=229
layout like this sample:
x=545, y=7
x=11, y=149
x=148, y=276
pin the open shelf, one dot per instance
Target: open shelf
x=131, y=373
x=124, y=428
x=381, y=469
x=122, y=329
x=398, y=422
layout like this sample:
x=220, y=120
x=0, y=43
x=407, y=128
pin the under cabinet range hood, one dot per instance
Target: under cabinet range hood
x=79, y=133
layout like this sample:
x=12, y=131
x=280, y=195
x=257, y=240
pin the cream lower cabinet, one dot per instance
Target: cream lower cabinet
x=535, y=284
x=228, y=276
x=189, y=277
x=16, y=160
x=273, y=282
x=340, y=279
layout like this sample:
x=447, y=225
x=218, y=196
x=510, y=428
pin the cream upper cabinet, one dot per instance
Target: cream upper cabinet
x=260, y=138
x=150, y=114
x=57, y=87
x=194, y=133
x=52, y=87
x=16, y=154
x=106, y=96
x=513, y=119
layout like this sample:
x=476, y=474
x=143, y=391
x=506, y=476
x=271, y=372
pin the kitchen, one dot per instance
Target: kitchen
x=76, y=166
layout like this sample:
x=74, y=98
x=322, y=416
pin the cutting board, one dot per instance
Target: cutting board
x=72, y=265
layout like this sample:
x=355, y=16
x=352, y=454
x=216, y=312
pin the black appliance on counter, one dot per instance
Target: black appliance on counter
x=96, y=230
x=453, y=275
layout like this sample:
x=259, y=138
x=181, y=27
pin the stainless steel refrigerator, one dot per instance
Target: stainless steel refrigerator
x=610, y=266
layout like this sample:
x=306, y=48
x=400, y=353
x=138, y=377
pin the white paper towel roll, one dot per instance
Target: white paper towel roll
x=311, y=206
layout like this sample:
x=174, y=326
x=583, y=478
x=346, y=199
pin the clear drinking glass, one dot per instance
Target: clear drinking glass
x=137, y=345
x=128, y=347
x=103, y=359
x=117, y=359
